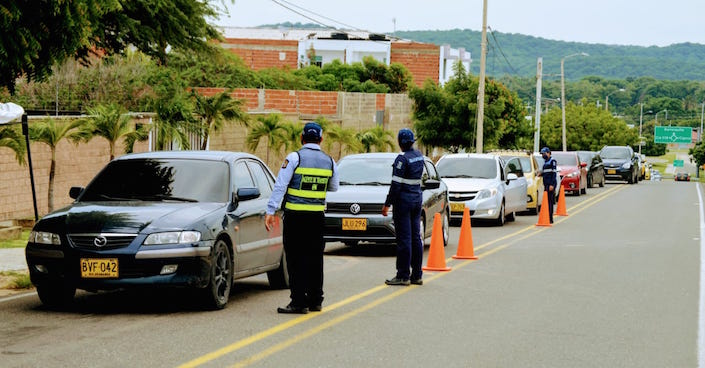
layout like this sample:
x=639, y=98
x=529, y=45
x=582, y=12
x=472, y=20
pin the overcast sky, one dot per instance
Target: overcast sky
x=614, y=22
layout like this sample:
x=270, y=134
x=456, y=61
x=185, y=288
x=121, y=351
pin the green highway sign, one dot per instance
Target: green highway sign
x=673, y=134
x=677, y=163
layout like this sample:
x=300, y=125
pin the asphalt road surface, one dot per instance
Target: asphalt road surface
x=616, y=283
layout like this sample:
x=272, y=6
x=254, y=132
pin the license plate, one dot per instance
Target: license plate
x=457, y=207
x=99, y=267
x=611, y=171
x=354, y=224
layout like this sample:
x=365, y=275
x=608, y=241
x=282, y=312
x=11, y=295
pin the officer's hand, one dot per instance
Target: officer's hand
x=550, y=187
x=385, y=210
x=269, y=221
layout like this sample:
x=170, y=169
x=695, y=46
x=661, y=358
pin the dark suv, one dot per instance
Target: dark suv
x=620, y=163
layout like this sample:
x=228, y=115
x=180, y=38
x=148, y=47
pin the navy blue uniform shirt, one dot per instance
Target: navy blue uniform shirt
x=406, y=178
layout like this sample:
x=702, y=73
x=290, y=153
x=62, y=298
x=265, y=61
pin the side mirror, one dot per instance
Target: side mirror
x=431, y=184
x=245, y=194
x=74, y=192
x=512, y=176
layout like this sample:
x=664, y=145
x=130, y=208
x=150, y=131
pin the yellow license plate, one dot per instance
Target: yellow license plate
x=457, y=207
x=99, y=267
x=611, y=171
x=354, y=224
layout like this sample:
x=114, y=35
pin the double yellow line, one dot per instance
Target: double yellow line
x=339, y=319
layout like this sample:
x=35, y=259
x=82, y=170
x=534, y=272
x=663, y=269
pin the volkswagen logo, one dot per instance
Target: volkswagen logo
x=100, y=241
x=354, y=208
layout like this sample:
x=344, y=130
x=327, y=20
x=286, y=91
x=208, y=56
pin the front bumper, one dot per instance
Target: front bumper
x=487, y=208
x=618, y=173
x=378, y=228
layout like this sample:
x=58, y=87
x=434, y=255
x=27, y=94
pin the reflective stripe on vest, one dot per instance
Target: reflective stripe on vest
x=401, y=180
x=309, y=184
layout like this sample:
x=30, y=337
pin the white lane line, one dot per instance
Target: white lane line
x=701, y=306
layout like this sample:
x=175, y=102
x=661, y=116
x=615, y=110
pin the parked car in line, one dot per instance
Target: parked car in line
x=540, y=161
x=534, y=182
x=620, y=163
x=354, y=212
x=573, y=172
x=484, y=184
x=169, y=218
x=595, y=168
x=656, y=175
x=681, y=176
x=647, y=175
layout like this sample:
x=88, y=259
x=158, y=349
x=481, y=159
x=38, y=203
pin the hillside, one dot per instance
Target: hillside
x=516, y=54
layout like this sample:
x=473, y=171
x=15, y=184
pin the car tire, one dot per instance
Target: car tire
x=56, y=295
x=537, y=209
x=422, y=229
x=220, y=280
x=446, y=227
x=511, y=216
x=583, y=190
x=500, y=219
x=589, y=181
x=279, y=277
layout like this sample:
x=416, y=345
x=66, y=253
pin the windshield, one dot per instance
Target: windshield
x=464, y=167
x=585, y=157
x=565, y=159
x=160, y=180
x=365, y=171
x=615, y=153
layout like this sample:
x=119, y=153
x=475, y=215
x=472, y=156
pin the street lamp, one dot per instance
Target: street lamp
x=563, y=93
x=607, y=98
x=656, y=117
x=641, y=119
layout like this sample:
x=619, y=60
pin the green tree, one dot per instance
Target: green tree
x=175, y=121
x=214, y=111
x=51, y=133
x=112, y=123
x=376, y=138
x=697, y=154
x=344, y=139
x=12, y=138
x=270, y=128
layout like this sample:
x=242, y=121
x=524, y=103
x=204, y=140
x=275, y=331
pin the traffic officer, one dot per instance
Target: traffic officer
x=303, y=180
x=405, y=199
x=549, y=172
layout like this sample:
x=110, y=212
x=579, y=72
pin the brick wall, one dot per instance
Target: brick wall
x=261, y=54
x=422, y=60
x=78, y=164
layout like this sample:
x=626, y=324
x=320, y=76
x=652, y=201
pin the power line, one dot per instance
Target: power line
x=502, y=51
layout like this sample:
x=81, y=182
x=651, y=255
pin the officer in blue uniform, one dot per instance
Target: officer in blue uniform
x=303, y=180
x=549, y=172
x=405, y=198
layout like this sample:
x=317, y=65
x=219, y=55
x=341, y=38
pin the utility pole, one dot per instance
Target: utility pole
x=537, y=126
x=481, y=88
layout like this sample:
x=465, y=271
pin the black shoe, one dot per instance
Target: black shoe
x=398, y=281
x=417, y=281
x=315, y=308
x=289, y=309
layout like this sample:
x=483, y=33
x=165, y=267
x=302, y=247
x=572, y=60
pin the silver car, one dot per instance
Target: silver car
x=354, y=212
x=484, y=184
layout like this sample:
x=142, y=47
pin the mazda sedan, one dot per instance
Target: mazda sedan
x=354, y=211
x=183, y=218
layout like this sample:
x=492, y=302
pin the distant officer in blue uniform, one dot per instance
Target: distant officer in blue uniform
x=303, y=180
x=405, y=198
x=549, y=172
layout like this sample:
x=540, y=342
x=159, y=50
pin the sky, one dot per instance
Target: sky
x=612, y=22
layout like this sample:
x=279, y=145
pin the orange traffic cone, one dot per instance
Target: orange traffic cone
x=436, y=256
x=465, y=250
x=544, y=218
x=560, y=206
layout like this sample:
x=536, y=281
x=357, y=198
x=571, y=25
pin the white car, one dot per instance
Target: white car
x=483, y=184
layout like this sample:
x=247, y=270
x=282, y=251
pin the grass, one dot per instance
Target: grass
x=17, y=280
x=16, y=243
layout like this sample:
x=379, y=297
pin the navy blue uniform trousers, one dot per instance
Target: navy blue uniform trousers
x=303, y=244
x=407, y=221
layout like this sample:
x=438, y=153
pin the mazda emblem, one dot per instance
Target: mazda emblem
x=100, y=241
x=355, y=208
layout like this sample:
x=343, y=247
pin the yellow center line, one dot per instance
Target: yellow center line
x=303, y=318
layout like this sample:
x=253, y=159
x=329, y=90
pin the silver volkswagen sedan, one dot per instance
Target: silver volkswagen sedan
x=354, y=212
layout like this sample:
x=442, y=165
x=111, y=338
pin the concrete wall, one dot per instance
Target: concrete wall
x=78, y=164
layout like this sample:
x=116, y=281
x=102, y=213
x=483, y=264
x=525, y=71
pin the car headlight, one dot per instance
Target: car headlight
x=572, y=174
x=43, y=237
x=173, y=237
x=486, y=193
x=627, y=165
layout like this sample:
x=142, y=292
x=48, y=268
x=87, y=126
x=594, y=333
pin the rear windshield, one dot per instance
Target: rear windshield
x=615, y=153
x=160, y=180
x=464, y=167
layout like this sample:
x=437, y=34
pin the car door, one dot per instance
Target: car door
x=434, y=198
x=265, y=182
x=515, y=195
x=252, y=240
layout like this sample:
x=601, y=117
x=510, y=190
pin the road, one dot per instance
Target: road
x=614, y=284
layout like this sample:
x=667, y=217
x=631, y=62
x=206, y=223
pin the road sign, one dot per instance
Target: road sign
x=673, y=134
x=677, y=163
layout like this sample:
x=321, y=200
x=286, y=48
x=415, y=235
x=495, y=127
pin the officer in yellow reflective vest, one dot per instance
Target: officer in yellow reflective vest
x=303, y=180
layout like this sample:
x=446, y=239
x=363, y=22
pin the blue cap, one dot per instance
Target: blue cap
x=312, y=132
x=406, y=136
x=545, y=150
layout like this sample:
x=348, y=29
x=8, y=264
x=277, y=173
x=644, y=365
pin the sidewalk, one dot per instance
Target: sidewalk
x=12, y=259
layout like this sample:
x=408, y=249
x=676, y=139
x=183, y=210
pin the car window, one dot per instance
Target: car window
x=159, y=180
x=432, y=173
x=525, y=164
x=243, y=178
x=365, y=171
x=261, y=178
x=467, y=167
x=514, y=166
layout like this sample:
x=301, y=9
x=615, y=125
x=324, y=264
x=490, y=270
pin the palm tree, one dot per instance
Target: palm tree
x=109, y=122
x=216, y=110
x=345, y=138
x=378, y=138
x=174, y=122
x=292, y=133
x=51, y=133
x=11, y=138
x=270, y=128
